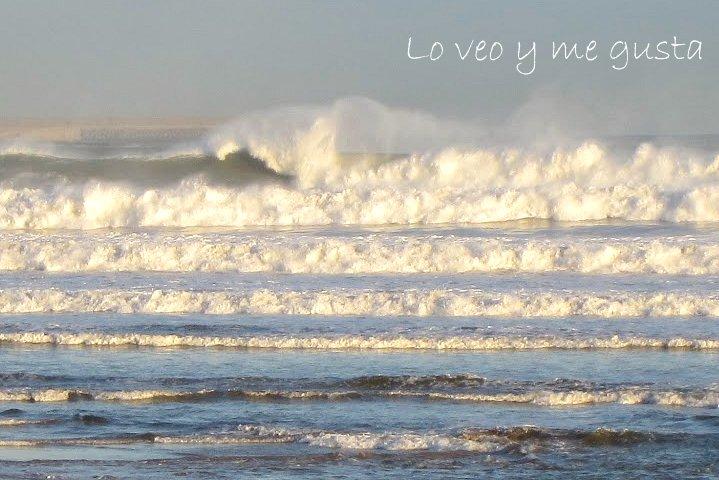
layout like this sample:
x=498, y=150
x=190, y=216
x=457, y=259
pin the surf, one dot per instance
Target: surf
x=358, y=163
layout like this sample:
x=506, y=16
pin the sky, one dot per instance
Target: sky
x=224, y=58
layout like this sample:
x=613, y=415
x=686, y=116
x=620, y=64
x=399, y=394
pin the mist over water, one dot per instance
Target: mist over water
x=355, y=284
x=357, y=163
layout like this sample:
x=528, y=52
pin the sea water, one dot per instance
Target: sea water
x=296, y=312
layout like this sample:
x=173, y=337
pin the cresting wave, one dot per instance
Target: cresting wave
x=441, y=302
x=391, y=195
x=700, y=398
x=434, y=184
x=470, y=439
x=348, y=441
x=359, y=254
x=360, y=342
x=237, y=169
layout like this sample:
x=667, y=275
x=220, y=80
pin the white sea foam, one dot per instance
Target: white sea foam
x=19, y=422
x=446, y=184
x=386, y=198
x=218, y=439
x=442, y=302
x=392, y=441
x=698, y=398
x=331, y=440
x=360, y=342
x=400, y=442
x=47, y=395
x=469, y=439
x=626, y=396
x=368, y=253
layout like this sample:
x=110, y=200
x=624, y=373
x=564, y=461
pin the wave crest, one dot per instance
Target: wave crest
x=360, y=342
x=357, y=254
x=441, y=302
x=369, y=165
x=698, y=398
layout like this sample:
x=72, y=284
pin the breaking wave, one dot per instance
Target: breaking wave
x=360, y=254
x=360, y=342
x=469, y=439
x=700, y=398
x=399, y=177
x=236, y=169
x=440, y=302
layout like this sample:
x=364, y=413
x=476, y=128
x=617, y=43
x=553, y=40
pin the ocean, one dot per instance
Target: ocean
x=277, y=306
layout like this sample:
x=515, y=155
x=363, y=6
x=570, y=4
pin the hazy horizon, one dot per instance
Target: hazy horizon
x=222, y=59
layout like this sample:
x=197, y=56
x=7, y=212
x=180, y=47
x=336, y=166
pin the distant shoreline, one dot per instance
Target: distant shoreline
x=97, y=129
